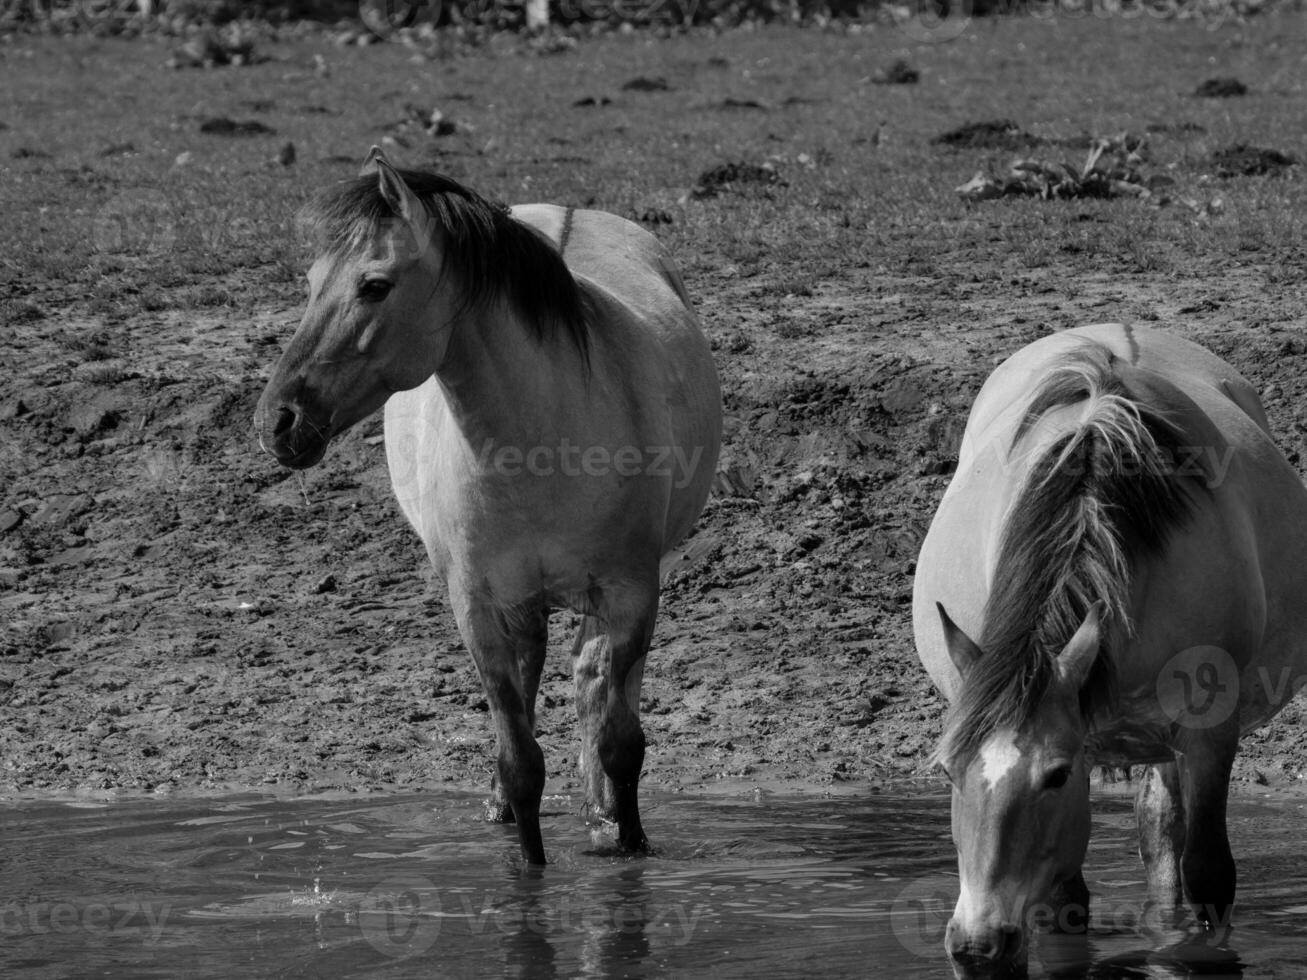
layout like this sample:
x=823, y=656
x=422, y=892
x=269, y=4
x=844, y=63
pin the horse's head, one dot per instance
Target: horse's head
x=1020, y=812
x=372, y=326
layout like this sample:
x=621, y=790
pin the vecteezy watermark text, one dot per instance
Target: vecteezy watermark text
x=63, y=918
x=920, y=914
x=572, y=460
x=403, y=917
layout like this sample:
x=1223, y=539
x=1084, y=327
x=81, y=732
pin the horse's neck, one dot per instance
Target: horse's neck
x=501, y=383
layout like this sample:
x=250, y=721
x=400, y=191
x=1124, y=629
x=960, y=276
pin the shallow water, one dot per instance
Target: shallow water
x=419, y=886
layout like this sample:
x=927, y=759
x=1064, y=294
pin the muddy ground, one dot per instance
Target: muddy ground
x=187, y=616
x=181, y=615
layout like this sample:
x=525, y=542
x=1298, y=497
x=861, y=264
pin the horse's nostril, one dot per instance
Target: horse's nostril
x=285, y=421
x=995, y=949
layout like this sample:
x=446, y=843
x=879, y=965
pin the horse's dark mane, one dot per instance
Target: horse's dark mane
x=1103, y=497
x=487, y=252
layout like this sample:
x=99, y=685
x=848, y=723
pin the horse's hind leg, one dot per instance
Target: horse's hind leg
x=1159, y=813
x=501, y=646
x=621, y=739
x=609, y=669
x=531, y=653
x=590, y=675
x=1207, y=866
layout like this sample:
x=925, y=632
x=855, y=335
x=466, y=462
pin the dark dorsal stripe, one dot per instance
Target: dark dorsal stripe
x=566, y=233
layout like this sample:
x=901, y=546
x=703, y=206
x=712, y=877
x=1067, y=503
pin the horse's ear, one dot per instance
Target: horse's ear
x=370, y=162
x=396, y=193
x=399, y=197
x=962, y=650
x=1079, y=655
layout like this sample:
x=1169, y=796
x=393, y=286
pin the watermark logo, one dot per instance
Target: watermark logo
x=401, y=917
x=384, y=17
x=933, y=21
x=920, y=913
x=135, y=223
x=1211, y=13
x=1199, y=687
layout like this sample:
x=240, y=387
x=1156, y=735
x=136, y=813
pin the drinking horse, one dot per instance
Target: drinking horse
x=1114, y=576
x=552, y=424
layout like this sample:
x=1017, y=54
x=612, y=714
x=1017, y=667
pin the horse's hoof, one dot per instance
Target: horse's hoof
x=499, y=812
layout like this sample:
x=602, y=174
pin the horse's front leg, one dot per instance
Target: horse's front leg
x=531, y=651
x=1207, y=866
x=501, y=645
x=1159, y=814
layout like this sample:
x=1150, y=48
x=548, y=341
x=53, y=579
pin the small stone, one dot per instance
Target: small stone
x=325, y=584
x=12, y=408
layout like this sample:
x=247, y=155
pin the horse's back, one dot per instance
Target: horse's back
x=648, y=354
x=617, y=254
x=1236, y=552
x=1210, y=381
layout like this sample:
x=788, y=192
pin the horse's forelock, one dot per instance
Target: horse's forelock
x=344, y=219
x=487, y=253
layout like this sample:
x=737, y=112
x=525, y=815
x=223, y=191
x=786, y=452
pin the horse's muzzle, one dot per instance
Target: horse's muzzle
x=293, y=438
x=998, y=954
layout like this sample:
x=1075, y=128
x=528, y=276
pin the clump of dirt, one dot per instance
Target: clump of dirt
x=430, y=120
x=222, y=126
x=1221, y=88
x=995, y=134
x=1241, y=160
x=1184, y=128
x=899, y=73
x=1110, y=170
x=646, y=84
x=212, y=49
x=735, y=177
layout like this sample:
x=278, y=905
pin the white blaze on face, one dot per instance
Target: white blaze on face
x=998, y=757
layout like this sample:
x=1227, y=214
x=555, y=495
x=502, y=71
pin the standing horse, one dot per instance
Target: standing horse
x=553, y=418
x=1114, y=576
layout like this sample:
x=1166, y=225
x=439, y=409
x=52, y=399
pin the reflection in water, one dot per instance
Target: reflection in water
x=1199, y=954
x=614, y=929
x=420, y=887
x=527, y=945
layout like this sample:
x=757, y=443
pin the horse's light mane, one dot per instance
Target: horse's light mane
x=1101, y=498
x=487, y=252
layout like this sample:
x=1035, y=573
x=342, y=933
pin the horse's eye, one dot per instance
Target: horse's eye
x=1057, y=778
x=374, y=290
